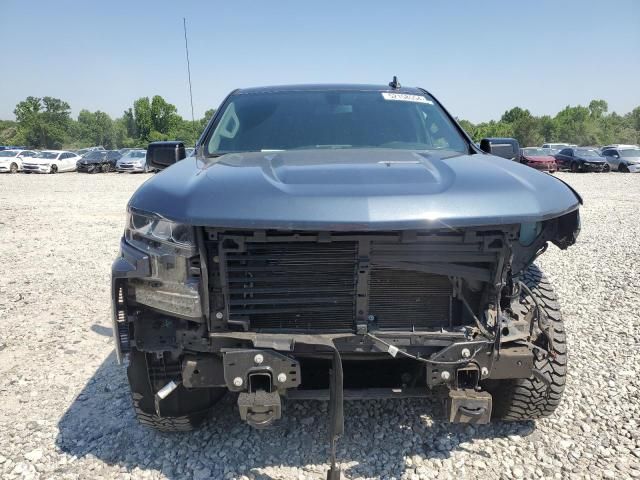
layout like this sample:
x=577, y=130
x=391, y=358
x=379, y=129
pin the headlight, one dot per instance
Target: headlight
x=152, y=233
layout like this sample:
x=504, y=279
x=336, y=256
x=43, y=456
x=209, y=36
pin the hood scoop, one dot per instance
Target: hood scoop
x=350, y=171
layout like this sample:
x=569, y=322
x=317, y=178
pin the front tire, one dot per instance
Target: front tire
x=182, y=410
x=623, y=168
x=574, y=167
x=532, y=398
x=53, y=169
x=13, y=168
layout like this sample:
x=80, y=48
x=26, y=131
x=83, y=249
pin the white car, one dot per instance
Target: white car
x=51, y=161
x=133, y=161
x=11, y=160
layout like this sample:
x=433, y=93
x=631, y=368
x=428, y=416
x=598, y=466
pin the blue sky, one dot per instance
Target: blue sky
x=478, y=57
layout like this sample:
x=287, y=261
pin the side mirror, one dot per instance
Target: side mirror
x=508, y=148
x=161, y=155
x=485, y=145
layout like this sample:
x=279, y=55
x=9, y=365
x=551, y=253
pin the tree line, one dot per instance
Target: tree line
x=591, y=125
x=47, y=123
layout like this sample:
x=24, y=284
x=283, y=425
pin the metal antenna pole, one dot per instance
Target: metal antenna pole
x=186, y=47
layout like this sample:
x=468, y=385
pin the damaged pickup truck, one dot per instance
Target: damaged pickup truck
x=340, y=242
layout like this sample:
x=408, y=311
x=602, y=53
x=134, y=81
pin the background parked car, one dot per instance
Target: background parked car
x=622, y=159
x=99, y=161
x=11, y=147
x=83, y=151
x=538, y=158
x=581, y=160
x=51, y=161
x=618, y=145
x=508, y=148
x=11, y=160
x=133, y=161
x=556, y=147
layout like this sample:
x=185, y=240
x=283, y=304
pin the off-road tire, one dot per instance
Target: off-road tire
x=531, y=398
x=181, y=411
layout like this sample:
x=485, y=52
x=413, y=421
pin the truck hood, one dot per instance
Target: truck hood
x=360, y=189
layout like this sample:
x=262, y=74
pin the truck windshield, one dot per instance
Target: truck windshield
x=273, y=121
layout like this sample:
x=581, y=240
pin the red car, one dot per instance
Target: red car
x=538, y=158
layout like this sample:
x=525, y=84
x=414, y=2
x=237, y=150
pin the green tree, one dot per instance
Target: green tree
x=575, y=125
x=9, y=134
x=143, y=119
x=164, y=115
x=96, y=128
x=129, y=123
x=468, y=127
x=597, y=108
x=515, y=114
x=43, y=122
x=527, y=131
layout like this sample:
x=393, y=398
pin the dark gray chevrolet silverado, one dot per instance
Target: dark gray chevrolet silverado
x=340, y=242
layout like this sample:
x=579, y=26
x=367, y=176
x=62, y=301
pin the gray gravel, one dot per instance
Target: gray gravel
x=64, y=403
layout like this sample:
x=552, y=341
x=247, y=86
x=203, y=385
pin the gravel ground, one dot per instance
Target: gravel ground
x=65, y=408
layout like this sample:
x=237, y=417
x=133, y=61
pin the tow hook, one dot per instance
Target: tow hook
x=469, y=406
x=260, y=377
x=260, y=409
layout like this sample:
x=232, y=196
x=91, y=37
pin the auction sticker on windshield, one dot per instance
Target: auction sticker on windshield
x=405, y=97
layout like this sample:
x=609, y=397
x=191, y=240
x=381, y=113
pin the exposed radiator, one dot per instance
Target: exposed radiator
x=406, y=300
x=302, y=286
x=311, y=281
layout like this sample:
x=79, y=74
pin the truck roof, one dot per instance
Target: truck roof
x=330, y=87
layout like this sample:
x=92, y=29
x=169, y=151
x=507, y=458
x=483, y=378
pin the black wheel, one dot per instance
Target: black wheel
x=606, y=168
x=574, y=167
x=13, y=168
x=182, y=410
x=623, y=168
x=96, y=169
x=53, y=169
x=539, y=395
x=106, y=168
